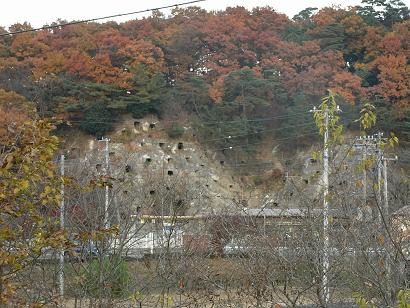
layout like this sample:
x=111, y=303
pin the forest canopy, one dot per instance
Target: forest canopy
x=235, y=64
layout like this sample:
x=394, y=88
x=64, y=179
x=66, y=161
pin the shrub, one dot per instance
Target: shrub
x=98, y=120
x=140, y=110
x=175, y=131
x=115, y=278
x=258, y=180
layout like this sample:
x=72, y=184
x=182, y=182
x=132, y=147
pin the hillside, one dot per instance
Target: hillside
x=235, y=85
x=248, y=72
x=207, y=159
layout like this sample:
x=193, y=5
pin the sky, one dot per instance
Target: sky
x=39, y=13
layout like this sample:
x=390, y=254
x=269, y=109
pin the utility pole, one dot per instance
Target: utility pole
x=379, y=153
x=106, y=171
x=365, y=143
x=379, y=169
x=386, y=194
x=62, y=211
x=326, y=294
x=372, y=144
x=325, y=183
x=387, y=219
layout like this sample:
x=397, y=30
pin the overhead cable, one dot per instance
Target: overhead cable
x=100, y=18
x=283, y=117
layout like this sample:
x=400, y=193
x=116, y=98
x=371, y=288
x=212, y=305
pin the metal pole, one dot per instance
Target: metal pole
x=117, y=209
x=325, y=183
x=386, y=213
x=106, y=186
x=106, y=171
x=365, y=173
x=365, y=143
x=387, y=219
x=379, y=176
x=62, y=210
x=386, y=197
x=264, y=223
x=326, y=294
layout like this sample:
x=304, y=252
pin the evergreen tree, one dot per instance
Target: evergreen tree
x=149, y=92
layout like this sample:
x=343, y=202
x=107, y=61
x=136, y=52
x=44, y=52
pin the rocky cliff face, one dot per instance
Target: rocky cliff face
x=140, y=150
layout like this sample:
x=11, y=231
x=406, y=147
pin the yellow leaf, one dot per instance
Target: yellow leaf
x=24, y=184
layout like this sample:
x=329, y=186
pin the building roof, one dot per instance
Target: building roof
x=256, y=212
x=404, y=211
x=282, y=213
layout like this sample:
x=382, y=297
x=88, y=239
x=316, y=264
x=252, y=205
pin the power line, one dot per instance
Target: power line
x=306, y=124
x=259, y=132
x=100, y=18
x=257, y=119
x=75, y=162
x=315, y=132
x=205, y=123
x=229, y=137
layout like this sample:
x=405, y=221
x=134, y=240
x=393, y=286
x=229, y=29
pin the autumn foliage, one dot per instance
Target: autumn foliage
x=29, y=192
x=361, y=53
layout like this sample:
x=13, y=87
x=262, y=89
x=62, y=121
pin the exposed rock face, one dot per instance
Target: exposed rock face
x=141, y=148
x=147, y=150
